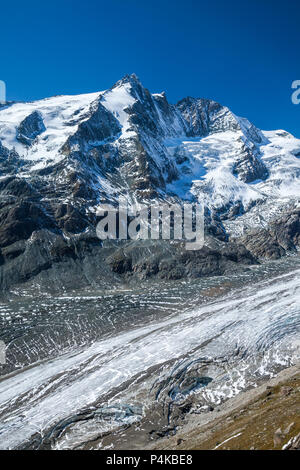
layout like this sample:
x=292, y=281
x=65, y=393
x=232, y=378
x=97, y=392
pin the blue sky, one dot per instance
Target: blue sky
x=244, y=54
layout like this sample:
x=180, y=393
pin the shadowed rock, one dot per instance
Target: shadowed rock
x=30, y=128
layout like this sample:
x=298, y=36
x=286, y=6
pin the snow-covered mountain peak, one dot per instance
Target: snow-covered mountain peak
x=126, y=142
x=131, y=79
x=59, y=118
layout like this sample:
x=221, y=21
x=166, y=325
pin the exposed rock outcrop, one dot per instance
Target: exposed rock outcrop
x=30, y=128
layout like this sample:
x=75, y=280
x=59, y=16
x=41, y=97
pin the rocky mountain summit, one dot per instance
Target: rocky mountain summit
x=61, y=157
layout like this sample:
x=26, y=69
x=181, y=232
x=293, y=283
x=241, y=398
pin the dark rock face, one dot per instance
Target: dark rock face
x=33, y=251
x=170, y=113
x=273, y=243
x=142, y=173
x=100, y=126
x=30, y=128
x=17, y=187
x=164, y=261
x=10, y=161
x=19, y=221
x=203, y=117
x=70, y=219
x=288, y=228
x=213, y=226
